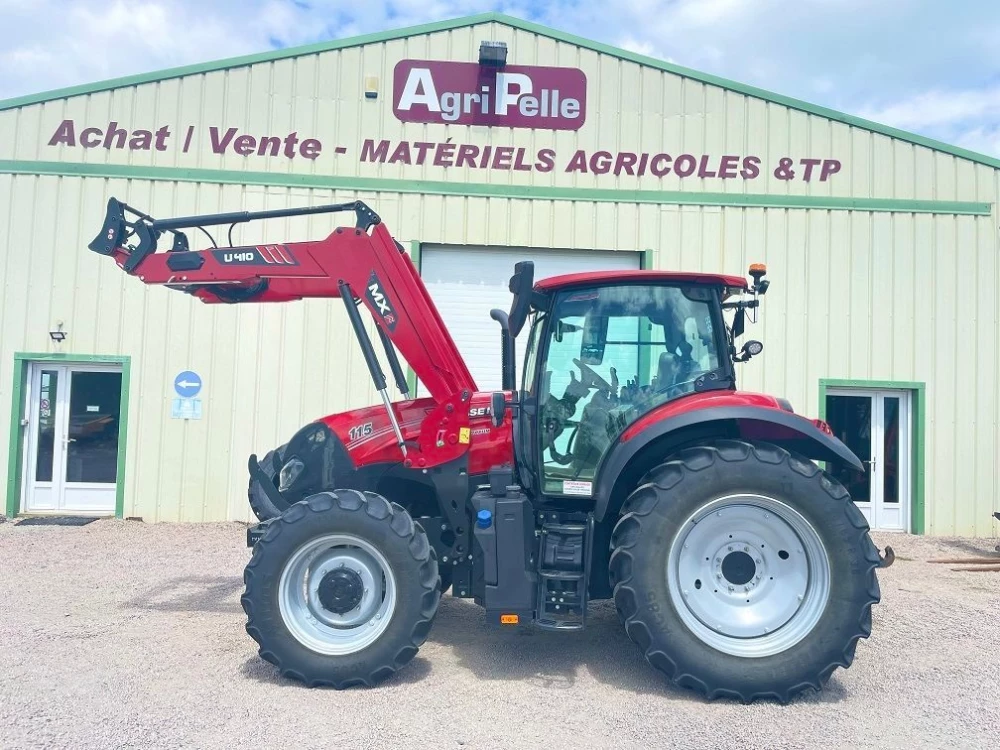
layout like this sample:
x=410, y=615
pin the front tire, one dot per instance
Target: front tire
x=341, y=590
x=744, y=571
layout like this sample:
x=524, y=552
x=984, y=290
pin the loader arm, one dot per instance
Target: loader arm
x=364, y=259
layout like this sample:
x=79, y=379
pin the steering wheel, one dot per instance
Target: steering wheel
x=563, y=459
x=592, y=379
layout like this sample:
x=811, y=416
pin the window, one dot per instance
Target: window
x=615, y=353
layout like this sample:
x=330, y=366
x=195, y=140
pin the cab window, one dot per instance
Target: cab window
x=613, y=354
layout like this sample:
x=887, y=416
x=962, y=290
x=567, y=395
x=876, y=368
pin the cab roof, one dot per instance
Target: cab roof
x=605, y=278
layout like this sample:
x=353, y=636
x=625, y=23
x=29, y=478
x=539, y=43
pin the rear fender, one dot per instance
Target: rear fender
x=635, y=453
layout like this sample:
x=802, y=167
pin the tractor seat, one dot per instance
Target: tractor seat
x=666, y=371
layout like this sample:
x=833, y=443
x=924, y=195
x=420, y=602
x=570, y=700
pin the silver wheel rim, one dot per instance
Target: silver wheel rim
x=734, y=537
x=320, y=629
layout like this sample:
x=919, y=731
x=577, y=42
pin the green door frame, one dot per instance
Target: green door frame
x=15, y=453
x=919, y=406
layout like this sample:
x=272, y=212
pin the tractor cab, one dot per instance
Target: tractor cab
x=605, y=349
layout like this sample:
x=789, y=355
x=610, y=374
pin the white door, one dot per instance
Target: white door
x=875, y=424
x=74, y=414
x=467, y=282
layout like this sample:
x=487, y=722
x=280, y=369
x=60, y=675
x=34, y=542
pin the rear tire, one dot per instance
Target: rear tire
x=260, y=502
x=702, y=590
x=325, y=623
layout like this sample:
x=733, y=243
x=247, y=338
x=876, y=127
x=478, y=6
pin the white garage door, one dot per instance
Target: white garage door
x=467, y=282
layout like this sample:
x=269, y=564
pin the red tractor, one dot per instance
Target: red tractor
x=625, y=465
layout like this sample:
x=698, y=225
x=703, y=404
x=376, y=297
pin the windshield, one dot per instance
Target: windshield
x=613, y=354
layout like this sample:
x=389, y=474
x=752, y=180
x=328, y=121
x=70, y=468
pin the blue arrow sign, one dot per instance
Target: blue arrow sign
x=187, y=384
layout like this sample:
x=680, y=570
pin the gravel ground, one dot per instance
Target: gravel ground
x=126, y=634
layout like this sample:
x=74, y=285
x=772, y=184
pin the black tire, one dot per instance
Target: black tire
x=405, y=547
x=651, y=520
x=260, y=502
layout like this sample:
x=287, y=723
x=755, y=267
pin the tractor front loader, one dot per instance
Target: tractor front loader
x=624, y=465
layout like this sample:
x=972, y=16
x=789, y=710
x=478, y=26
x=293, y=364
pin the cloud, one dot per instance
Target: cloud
x=939, y=108
x=917, y=64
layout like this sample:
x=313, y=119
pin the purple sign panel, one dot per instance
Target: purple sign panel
x=516, y=96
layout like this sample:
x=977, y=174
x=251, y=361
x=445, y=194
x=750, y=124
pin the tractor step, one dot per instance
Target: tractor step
x=563, y=573
x=254, y=533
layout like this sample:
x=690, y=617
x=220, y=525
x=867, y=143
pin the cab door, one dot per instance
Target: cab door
x=611, y=354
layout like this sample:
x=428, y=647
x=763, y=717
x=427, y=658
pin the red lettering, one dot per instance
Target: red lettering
x=727, y=166
x=245, y=145
x=219, y=146
x=625, y=163
x=546, y=160
x=467, y=155
x=684, y=165
x=809, y=164
x=502, y=156
x=444, y=154
x=371, y=152
x=161, y=137
x=519, y=164
x=830, y=167
x=291, y=140
x=578, y=163
x=751, y=168
x=64, y=134
x=660, y=165
x=600, y=162
x=401, y=154
x=268, y=141
x=140, y=140
x=115, y=133
x=703, y=170
x=310, y=148
x=422, y=148
x=90, y=137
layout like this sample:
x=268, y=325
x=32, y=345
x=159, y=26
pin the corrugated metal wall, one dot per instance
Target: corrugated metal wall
x=858, y=295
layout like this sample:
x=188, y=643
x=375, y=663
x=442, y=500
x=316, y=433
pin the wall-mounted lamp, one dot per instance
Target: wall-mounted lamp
x=58, y=335
x=371, y=87
x=493, y=54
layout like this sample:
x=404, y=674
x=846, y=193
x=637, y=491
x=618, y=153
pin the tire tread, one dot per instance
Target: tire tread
x=668, y=475
x=398, y=519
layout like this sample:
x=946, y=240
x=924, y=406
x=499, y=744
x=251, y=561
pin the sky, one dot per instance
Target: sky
x=926, y=66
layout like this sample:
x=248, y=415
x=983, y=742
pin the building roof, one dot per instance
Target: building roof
x=523, y=25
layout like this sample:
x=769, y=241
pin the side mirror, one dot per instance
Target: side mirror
x=520, y=286
x=498, y=407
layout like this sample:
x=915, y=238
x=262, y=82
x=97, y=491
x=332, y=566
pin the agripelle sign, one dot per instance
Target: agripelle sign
x=517, y=96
